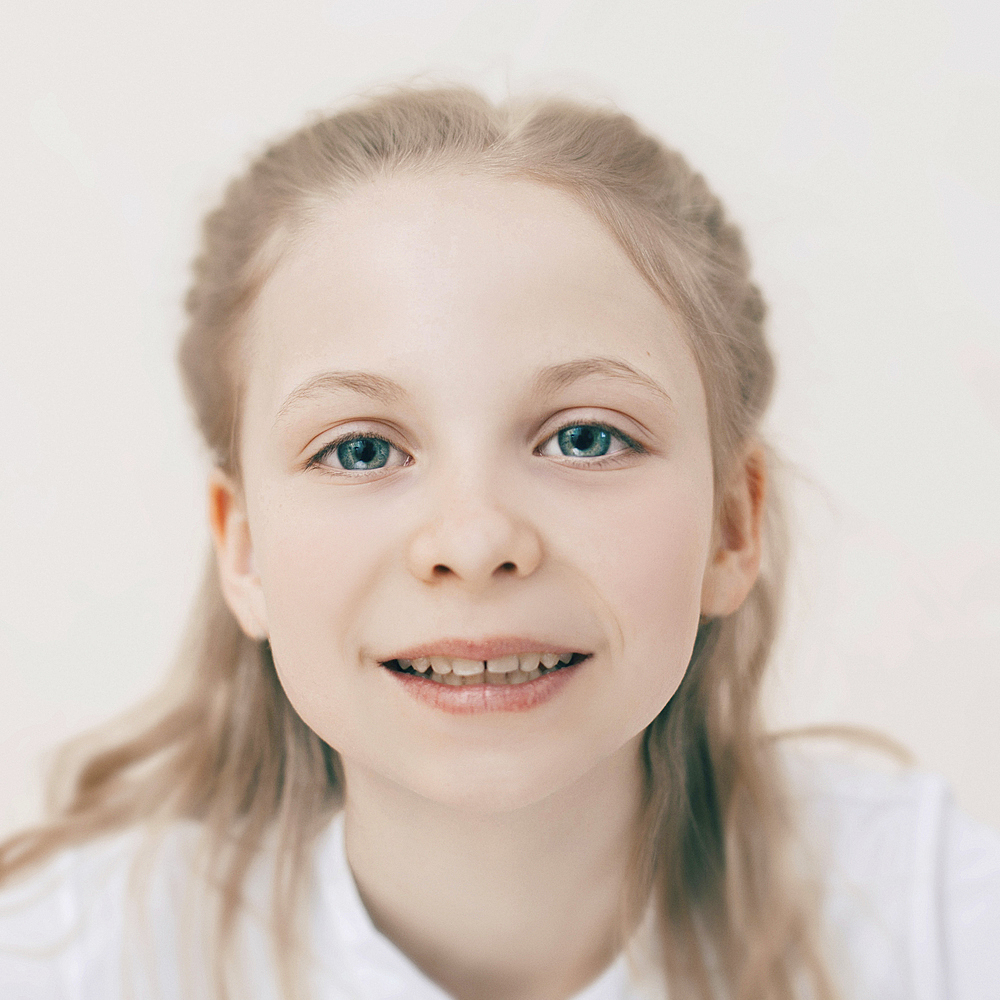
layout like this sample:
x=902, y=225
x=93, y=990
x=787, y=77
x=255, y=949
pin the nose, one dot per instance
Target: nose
x=475, y=542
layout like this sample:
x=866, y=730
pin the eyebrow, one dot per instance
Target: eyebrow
x=547, y=381
x=556, y=377
x=377, y=387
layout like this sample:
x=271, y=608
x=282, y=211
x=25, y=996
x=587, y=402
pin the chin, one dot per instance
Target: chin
x=494, y=787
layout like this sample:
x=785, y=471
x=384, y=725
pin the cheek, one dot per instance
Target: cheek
x=316, y=565
x=652, y=577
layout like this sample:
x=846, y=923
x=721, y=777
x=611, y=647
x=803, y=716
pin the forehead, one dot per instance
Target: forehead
x=456, y=275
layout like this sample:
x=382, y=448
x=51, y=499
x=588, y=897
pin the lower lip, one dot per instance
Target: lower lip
x=472, y=699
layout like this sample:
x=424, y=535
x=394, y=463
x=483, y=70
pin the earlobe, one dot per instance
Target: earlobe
x=234, y=554
x=737, y=541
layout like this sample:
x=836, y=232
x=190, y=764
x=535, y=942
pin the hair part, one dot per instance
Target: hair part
x=229, y=750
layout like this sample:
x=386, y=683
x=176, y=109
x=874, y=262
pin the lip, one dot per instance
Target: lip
x=474, y=699
x=482, y=649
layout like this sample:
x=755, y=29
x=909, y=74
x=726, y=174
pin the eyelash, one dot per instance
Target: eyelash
x=600, y=462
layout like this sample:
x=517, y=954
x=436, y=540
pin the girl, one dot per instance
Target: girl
x=470, y=703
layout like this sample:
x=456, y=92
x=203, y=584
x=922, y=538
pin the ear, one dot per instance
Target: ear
x=234, y=554
x=736, y=547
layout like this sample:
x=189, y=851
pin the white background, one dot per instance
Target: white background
x=855, y=140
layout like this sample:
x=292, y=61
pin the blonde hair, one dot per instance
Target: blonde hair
x=228, y=750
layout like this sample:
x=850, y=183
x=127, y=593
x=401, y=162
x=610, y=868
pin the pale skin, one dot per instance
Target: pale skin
x=491, y=848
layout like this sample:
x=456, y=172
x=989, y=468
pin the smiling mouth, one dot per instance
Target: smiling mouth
x=515, y=669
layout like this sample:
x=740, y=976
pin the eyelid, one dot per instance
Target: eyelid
x=610, y=419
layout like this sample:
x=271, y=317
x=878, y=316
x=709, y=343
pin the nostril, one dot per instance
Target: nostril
x=508, y=566
x=441, y=570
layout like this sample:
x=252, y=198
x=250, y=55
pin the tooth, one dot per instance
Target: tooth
x=421, y=664
x=502, y=665
x=466, y=668
x=529, y=661
x=550, y=659
x=403, y=664
x=492, y=678
x=441, y=664
x=565, y=657
x=451, y=679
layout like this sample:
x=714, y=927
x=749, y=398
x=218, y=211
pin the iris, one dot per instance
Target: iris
x=363, y=453
x=588, y=440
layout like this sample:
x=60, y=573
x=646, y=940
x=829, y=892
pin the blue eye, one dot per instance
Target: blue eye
x=584, y=441
x=593, y=441
x=363, y=453
x=360, y=453
x=357, y=453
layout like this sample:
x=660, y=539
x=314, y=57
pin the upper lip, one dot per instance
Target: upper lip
x=482, y=649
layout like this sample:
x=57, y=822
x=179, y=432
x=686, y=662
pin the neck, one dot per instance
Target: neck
x=520, y=905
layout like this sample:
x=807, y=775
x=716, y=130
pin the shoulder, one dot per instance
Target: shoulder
x=72, y=927
x=911, y=885
x=48, y=916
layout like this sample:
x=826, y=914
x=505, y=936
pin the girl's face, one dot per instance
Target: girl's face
x=471, y=428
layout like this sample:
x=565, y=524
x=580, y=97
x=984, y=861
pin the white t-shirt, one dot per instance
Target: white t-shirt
x=911, y=889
